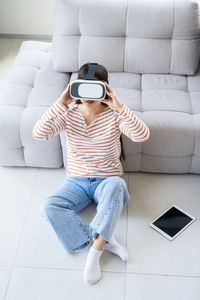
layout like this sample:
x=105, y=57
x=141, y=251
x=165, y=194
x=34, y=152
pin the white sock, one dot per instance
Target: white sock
x=92, y=270
x=114, y=247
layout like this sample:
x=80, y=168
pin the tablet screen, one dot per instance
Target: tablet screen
x=172, y=221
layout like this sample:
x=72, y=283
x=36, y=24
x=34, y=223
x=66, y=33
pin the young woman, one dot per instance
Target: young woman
x=94, y=170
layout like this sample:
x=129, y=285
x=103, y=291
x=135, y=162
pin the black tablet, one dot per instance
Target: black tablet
x=172, y=222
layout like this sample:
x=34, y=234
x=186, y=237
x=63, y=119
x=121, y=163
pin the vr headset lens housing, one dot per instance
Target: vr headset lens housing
x=88, y=89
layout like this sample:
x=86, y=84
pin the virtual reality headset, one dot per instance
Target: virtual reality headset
x=88, y=89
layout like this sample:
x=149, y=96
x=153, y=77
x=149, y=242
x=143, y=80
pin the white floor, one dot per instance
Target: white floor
x=35, y=266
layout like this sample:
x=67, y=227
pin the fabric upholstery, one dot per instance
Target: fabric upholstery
x=30, y=87
x=137, y=36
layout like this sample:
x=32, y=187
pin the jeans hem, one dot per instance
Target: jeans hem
x=76, y=248
x=94, y=235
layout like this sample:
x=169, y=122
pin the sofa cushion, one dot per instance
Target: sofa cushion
x=139, y=36
x=30, y=87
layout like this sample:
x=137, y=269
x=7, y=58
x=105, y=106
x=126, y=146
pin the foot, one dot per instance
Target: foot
x=92, y=270
x=114, y=247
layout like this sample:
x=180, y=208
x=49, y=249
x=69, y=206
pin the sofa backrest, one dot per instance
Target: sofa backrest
x=139, y=36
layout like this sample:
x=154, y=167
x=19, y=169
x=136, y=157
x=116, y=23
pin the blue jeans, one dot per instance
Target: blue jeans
x=73, y=195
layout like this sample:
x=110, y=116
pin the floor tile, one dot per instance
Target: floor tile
x=4, y=279
x=149, y=251
x=16, y=191
x=51, y=284
x=155, y=287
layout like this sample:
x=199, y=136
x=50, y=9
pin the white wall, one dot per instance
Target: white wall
x=34, y=17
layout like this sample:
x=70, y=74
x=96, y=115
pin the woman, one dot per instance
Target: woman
x=94, y=170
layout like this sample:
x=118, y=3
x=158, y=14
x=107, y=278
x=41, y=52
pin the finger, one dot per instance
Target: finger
x=108, y=87
x=68, y=85
x=112, y=91
x=109, y=94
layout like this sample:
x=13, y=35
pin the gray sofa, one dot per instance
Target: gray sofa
x=151, y=51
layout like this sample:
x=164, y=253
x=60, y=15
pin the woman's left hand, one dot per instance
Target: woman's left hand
x=113, y=100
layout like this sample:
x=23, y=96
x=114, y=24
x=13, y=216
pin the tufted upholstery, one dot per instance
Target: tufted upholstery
x=30, y=87
x=168, y=103
x=138, y=36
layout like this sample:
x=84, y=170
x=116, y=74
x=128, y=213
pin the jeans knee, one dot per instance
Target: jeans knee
x=117, y=185
x=45, y=207
x=123, y=190
x=121, y=185
x=116, y=182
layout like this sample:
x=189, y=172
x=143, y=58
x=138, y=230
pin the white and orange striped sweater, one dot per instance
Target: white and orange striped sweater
x=92, y=150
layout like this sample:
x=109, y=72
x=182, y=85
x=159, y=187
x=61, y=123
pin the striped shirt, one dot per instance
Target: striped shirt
x=92, y=150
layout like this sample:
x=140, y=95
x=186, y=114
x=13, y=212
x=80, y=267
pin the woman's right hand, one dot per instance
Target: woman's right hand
x=65, y=97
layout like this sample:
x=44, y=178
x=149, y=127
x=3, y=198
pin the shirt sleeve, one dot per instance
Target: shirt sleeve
x=51, y=122
x=133, y=127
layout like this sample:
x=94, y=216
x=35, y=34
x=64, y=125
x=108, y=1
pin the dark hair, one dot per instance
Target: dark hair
x=102, y=74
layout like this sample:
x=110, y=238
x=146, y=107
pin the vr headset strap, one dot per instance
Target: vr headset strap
x=91, y=71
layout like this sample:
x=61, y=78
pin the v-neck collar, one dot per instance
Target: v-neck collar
x=94, y=119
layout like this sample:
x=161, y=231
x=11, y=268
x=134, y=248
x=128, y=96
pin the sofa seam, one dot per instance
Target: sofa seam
x=172, y=36
x=125, y=35
x=133, y=37
x=192, y=155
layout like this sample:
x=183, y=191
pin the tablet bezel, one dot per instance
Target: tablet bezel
x=164, y=233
